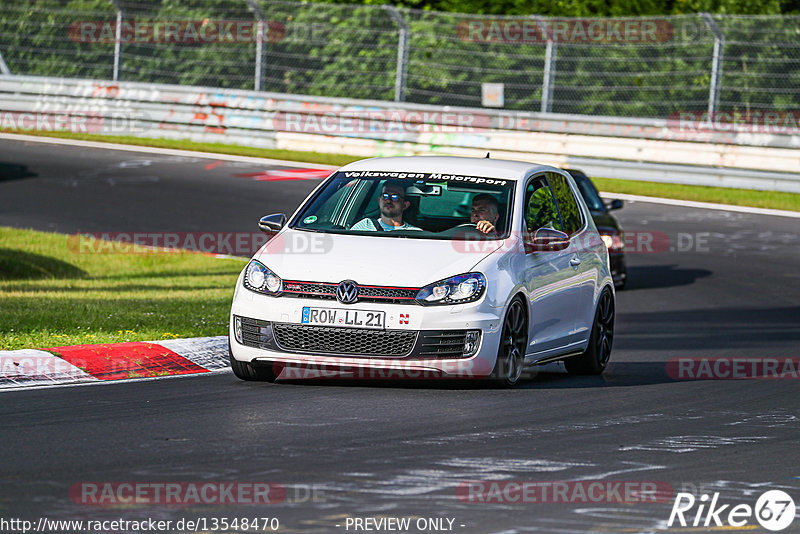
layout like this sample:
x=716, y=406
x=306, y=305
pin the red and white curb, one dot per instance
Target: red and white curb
x=115, y=361
x=282, y=175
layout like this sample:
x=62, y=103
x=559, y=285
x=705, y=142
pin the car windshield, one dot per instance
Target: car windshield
x=405, y=204
x=589, y=193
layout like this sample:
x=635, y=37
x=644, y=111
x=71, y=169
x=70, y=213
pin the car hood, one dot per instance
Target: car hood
x=396, y=261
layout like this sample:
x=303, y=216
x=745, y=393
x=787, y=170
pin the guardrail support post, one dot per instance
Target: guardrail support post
x=548, y=78
x=716, y=64
x=117, y=42
x=262, y=28
x=4, y=70
x=402, y=53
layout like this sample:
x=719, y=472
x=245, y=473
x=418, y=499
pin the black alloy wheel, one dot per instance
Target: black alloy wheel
x=595, y=358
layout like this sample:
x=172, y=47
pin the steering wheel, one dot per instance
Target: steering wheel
x=473, y=225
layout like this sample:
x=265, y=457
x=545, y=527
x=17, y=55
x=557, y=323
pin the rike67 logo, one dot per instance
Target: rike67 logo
x=774, y=510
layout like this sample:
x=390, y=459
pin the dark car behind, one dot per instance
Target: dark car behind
x=607, y=225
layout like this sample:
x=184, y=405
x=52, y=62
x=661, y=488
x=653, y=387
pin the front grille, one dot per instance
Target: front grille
x=441, y=344
x=309, y=289
x=326, y=290
x=355, y=341
x=387, y=292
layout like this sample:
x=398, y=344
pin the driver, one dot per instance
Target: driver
x=485, y=212
x=392, y=203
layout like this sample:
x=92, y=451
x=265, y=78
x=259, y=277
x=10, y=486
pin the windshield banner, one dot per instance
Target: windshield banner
x=427, y=176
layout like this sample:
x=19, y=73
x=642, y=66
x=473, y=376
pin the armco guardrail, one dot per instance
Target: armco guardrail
x=657, y=150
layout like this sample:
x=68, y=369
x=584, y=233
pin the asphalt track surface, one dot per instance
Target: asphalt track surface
x=397, y=449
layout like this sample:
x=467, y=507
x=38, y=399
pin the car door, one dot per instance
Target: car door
x=547, y=274
x=583, y=256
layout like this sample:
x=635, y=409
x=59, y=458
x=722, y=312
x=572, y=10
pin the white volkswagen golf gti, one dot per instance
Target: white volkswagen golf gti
x=427, y=267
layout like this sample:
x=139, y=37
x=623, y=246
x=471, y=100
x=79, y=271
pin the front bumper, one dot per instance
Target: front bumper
x=619, y=271
x=274, y=335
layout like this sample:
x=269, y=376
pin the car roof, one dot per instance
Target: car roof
x=577, y=172
x=495, y=168
x=579, y=175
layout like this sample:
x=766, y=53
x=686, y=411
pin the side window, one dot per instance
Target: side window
x=540, y=209
x=567, y=205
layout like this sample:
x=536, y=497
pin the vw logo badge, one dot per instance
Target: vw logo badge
x=347, y=292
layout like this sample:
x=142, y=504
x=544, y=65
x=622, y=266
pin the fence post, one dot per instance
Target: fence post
x=117, y=42
x=548, y=77
x=261, y=26
x=716, y=64
x=3, y=67
x=402, y=53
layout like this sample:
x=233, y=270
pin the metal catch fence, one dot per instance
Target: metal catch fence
x=622, y=67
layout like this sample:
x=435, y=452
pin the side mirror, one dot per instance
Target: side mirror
x=272, y=224
x=546, y=240
x=614, y=204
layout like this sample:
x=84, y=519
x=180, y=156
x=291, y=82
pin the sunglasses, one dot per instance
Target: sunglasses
x=394, y=197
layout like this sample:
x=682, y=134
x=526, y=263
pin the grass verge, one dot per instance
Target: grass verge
x=51, y=296
x=720, y=195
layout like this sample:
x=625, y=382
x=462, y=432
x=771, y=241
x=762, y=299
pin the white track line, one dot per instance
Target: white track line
x=703, y=205
x=163, y=151
x=297, y=164
x=112, y=382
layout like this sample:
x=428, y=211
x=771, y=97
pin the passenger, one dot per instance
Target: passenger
x=393, y=204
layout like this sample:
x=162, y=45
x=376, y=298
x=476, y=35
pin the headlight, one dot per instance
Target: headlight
x=261, y=280
x=454, y=290
x=612, y=240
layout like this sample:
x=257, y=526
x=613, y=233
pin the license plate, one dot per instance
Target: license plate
x=344, y=318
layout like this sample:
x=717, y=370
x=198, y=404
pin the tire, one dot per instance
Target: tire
x=513, y=342
x=249, y=372
x=594, y=359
